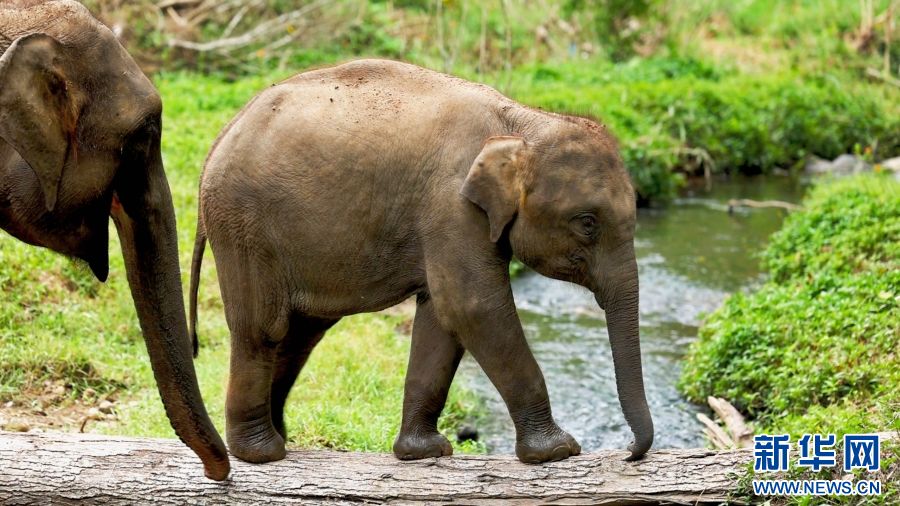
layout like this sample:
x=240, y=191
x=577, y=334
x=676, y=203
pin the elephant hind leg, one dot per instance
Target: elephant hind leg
x=433, y=360
x=304, y=333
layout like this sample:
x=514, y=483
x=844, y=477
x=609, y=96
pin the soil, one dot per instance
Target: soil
x=56, y=406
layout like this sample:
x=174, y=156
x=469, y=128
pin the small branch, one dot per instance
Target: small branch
x=877, y=74
x=716, y=435
x=262, y=31
x=235, y=20
x=176, y=3
x=734, y=421
x=177, y=18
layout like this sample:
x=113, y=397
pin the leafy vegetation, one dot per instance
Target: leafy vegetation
x=815, y=348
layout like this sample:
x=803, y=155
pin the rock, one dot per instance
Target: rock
x=816, y=165
x=89, y=393
x=891, y=164
x=849, y=164
x=467, y=433
x=95, y=414
x=106, y=407
x=16, y=426
x=840, y=166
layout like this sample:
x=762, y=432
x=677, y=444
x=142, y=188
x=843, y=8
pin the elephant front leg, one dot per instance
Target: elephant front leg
x=476, y=305
x=248, y=414
x=433, y=360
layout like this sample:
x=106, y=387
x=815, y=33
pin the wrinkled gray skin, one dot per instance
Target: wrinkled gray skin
x=349, y=189
x=80, y=143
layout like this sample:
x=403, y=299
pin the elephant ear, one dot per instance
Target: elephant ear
x=494, y=180
x=37, y=113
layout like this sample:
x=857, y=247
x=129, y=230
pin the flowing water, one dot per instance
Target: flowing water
x=691, y=255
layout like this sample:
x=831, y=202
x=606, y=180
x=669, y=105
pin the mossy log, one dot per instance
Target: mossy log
x=62, y=468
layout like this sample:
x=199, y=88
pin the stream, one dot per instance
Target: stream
x=691, y=255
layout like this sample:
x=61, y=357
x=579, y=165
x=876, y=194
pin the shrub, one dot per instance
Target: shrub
x=815, y=348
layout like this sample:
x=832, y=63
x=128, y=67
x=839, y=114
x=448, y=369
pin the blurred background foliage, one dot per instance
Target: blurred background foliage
x=251, y=35
x=690, y=87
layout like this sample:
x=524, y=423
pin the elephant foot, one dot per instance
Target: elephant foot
x=280, y=429
x=252, y=443
x=412, y=446
x=555, y=444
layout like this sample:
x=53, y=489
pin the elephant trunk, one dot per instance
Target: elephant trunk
x=619, y=298
x=145, y=218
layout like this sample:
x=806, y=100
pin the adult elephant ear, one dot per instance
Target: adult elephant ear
x=38, y=113
x=494, y=181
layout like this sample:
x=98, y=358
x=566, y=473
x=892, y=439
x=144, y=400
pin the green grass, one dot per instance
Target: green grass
x=58, y=323
x=815, y=349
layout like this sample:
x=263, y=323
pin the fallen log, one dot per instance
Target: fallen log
x=761, y=204
x=63, y=468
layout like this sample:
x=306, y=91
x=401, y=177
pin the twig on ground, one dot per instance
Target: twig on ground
x=877, y=74
x=733, y=203
x=716, y=434
x=740, y=433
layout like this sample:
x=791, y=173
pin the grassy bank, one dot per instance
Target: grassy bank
x=814, y=349
x=67, y=342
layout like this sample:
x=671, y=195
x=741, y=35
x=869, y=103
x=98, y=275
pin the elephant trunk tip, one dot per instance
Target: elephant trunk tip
x=640, y=446
x=217, y=469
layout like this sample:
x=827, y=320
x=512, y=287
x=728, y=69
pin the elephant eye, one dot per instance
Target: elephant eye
x=587, y=224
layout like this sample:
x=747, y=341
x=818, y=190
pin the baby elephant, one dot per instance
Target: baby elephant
x=348, y=189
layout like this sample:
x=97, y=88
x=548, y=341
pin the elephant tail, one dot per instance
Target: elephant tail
x=196, y=263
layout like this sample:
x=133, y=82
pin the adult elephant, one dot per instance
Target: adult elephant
x=80, y=142
x=349, y=189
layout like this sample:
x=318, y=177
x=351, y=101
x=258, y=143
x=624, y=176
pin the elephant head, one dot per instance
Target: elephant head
x=79, y=143
x=563, y=198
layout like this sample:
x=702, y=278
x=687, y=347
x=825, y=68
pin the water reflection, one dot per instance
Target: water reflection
x=690, y=256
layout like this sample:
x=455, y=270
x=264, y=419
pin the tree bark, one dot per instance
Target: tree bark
x=62, y=468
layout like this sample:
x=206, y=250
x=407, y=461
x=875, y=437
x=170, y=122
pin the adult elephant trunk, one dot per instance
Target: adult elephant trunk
x=145, y=218
x=618, y=296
